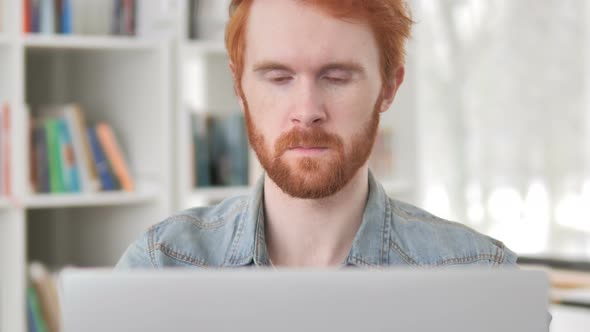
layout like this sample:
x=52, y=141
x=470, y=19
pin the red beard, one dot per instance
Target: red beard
x=317, y=176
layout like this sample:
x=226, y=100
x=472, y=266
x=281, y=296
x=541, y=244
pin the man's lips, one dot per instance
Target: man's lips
x=307, y=150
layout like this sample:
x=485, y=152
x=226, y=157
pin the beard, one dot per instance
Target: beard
x=313, y=177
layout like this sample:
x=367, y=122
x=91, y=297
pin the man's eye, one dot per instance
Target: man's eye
x=280, y=79
x=335, y=79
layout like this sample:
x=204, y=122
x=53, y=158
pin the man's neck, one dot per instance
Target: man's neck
x=313, y=232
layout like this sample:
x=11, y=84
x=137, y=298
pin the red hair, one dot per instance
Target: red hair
x=390, y=21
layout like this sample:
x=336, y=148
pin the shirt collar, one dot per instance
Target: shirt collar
x=370, y=244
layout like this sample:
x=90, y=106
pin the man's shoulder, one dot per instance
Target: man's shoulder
x=420, y=238
x=199, y=236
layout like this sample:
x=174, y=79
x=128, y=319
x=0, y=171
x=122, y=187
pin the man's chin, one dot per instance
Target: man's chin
x=309, y=183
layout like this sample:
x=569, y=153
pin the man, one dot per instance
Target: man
x=313, y=78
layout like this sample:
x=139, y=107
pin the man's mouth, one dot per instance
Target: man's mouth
x=308, y=150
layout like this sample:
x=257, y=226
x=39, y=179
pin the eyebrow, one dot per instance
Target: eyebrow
x=350, y=66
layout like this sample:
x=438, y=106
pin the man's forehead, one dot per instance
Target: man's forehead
x=290, y=31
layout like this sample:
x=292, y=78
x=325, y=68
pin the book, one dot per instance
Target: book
x=124, y=17
x=40, y=164
x=56, y=180
x=68, y=158
x=100, y=162
x=66, y=19
x=76, y=122
x=129, y=17
x=114, y=156
x=64, y=157
x=221, y=146
x=47, y=16
x=35, y=308
x=44, y=284
x=27, y=26
x=117, y=20
x=31, y=325
x=36, y=15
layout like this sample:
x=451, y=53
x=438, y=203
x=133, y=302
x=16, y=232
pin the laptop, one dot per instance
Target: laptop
x=419, y=300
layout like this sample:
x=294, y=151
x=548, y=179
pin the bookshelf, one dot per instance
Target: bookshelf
x=205, y=86
x=123, y=81
x=144, y=194
x=64, y=42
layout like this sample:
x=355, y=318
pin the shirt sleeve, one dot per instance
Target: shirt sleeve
x=137, y=255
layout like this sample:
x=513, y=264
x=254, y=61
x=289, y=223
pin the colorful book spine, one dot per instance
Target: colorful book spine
x=124, y=17
x=44, y=283
x=68, y=158
x=36, y=16
x=114, y=155
x=67, y=20
x=41, y=162
x=77, y=124
x=27, y=16
x=129, y=16
x=47, y=16
x=33, y=301
x=31, y=326
x=100, y=161
x=116, y=26
x=56, y=180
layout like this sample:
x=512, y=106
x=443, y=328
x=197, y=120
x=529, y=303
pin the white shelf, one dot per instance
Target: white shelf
x=113, y=198
x=77, y=42
x=204, y=47
x=217, y=193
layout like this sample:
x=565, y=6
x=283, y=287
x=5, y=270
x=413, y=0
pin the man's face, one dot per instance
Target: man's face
x=311, y=89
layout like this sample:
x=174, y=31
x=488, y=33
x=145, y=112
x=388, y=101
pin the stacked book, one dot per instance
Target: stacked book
x=48, y=16
x=79, y=16
x=69, y=157
x=5, y=153
x=220, y=150
x=43, y=310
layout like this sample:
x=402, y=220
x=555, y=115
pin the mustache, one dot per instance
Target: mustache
x=315, y=137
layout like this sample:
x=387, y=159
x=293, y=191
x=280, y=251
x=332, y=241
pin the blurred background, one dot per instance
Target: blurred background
x=115, y=114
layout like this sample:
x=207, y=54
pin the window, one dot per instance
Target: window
x=503, y=101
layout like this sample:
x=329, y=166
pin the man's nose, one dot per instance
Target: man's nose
x=308, y=106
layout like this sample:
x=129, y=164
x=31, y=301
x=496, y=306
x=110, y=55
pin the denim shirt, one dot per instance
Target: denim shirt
x=231, y=234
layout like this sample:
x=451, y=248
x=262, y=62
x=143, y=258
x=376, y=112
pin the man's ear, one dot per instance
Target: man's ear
x=237, y=90
x=390, y=89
